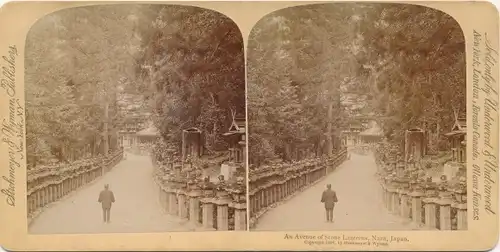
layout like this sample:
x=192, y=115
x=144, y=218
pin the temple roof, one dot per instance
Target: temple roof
x=237, y=126
x=150, y=131
x=373, y=131
x=459, y=127
x=192, y=129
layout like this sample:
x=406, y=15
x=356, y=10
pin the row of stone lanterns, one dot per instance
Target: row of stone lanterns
x=207, y=205
x=49, y=184
x=434, y=205
x=270, y=185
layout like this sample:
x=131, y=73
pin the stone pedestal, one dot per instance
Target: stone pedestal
x=268, y=196
x=286, y=189
x=256, y=201
x=272, y=193
x=172, y=203
x=252, y=204
x=263, y=202
x=208, y=214
x=162, y=198
x=222, y=203
x=46, y=196
x=29, y=203
x=416, y=207
x=222, y=215
x=382, y=195
x=430, y=213
x=391, y=196
x=194, y=207
x=37, y=199
x=444, y=213
x=396, y=201
x=58, y=191
x=461, y=215
x=389, y=199
x=279, y=192
x=42, y=196
x=183, y=210
x=55, y=189
x=53, y=192
x=240, y=218
x=166, y=200
x=64, y=187
x=405, y=207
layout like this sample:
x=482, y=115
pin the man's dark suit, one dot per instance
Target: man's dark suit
x=329, y=197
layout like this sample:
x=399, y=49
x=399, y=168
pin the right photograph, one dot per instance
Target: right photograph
x=357, y=119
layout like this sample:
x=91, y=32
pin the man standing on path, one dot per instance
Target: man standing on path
x=329, y=197
x=106, y=198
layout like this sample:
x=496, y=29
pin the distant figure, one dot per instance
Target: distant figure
x=329, y=197
x=106, y=198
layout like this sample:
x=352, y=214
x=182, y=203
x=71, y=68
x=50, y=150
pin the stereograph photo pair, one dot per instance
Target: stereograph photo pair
x=249, y=126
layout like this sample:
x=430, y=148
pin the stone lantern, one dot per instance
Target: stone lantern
x=177, y=170
x=192, y=146
x=414, y=145
x=236, y=138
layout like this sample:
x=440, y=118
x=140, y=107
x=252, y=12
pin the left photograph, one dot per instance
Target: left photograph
x=135, y=121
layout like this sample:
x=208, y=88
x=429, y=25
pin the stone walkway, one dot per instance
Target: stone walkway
x=137, y=208
x=360, y=206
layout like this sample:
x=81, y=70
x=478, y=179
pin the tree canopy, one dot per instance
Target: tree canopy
x=414, y=60
x=90, y=70
x=194, y=72
x=404, y=62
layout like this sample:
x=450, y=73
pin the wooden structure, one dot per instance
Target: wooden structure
x=236, y=137
x=457, y=137
x=414, y=145
x=192, y=144
x=148, y=135
x=372, y=135
x=128, y=132
x=350, y=136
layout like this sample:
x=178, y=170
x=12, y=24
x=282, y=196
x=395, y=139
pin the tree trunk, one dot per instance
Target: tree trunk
x=437, y=136
x=106, y=133
x=329, y=134
x=287, y=151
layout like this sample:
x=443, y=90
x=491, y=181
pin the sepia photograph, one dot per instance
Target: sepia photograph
x=249, y=125
x=135, y=121
x=357, y=119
